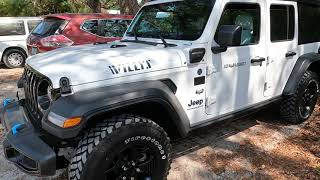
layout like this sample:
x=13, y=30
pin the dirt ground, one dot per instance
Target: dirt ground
x=259, y=146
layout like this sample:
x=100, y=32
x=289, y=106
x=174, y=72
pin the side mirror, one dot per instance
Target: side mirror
x=228, y=35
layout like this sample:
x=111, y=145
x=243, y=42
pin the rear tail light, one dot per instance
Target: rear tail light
x=56, y=41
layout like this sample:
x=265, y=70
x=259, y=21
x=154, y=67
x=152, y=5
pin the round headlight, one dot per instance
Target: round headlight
x=44, y=95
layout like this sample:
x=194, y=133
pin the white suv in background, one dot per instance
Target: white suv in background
x=13, y=35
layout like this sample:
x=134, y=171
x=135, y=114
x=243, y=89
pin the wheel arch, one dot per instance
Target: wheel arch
x=24, y=51
x=150, y=99
x=310, y=61
x=158, y=110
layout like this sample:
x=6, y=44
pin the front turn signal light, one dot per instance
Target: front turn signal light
x=72, y=122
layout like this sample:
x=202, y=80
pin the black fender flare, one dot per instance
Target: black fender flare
x=301, y=66
x=89, y=103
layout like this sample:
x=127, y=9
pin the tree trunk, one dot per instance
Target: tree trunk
x=130, y=7
x=94, y=5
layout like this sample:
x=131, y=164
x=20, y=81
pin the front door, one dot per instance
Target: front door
x=236, y=78
x=282, y=43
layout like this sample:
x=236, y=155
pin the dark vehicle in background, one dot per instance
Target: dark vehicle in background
x=60, y=30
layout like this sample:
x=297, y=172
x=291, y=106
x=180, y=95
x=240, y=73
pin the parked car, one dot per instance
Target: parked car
x=59, y=30
x=13, y=35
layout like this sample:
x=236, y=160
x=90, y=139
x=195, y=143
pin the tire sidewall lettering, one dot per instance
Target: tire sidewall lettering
x=148, y=139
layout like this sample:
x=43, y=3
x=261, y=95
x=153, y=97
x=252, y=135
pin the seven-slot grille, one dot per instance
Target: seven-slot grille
x=31, y=81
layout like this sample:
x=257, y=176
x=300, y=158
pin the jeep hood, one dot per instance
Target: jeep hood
x=90, y=63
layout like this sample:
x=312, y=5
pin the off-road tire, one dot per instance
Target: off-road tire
x=101, y=143
x=18, y=52
x=289, y=108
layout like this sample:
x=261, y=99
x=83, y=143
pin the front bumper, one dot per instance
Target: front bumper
x=22, y=144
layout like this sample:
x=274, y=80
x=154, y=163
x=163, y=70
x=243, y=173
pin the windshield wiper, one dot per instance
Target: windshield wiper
x=134, y=32
x=163, y=40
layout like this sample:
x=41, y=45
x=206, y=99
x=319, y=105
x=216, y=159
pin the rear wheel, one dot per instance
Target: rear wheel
x=124, y=147
x=14, y=58
x=299, y=107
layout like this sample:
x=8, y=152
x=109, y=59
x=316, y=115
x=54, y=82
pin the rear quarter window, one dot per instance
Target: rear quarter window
x=309, y=26
x=12, y=28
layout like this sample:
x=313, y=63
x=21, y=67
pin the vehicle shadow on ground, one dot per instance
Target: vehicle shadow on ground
x=2, y=66
x=223, y=151
x=221, y=130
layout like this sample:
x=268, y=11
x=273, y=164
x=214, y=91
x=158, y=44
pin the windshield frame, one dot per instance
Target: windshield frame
x=129, y=35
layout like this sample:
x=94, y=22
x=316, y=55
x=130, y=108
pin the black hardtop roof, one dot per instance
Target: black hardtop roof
x=316, y=2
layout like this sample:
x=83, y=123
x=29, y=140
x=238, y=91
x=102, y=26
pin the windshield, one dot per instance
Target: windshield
x=48, y=26
x=180, y=20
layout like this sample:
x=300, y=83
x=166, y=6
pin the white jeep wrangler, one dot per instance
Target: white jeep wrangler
x=107, y=110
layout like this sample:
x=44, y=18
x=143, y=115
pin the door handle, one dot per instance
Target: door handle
x=290, y=54
x=258, y=60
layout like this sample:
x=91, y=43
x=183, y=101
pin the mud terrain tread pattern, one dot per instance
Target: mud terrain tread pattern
x=94, y=136
x=288, y=107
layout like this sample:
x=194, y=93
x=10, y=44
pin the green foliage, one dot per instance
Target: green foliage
x=33, y=7
x=43, y=7
x=13, y=7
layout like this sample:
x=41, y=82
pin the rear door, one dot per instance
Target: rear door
x=89, y=34
x=282, y=43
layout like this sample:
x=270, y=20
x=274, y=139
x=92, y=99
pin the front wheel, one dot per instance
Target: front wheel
x=124, y=147
x=299, y=107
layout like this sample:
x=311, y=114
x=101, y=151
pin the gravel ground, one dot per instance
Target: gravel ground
x=256, y=147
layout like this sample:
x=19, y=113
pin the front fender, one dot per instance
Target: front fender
x=100, y=100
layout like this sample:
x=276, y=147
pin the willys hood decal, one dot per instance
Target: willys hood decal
x=90, y=63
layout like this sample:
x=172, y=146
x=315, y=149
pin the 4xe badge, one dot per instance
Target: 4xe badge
x=130, y=67
x=195, y=104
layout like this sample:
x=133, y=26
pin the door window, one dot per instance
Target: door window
x=12, y=28
x=91, y=26
x=281, y=23
x=246, y=16
x=114, y=27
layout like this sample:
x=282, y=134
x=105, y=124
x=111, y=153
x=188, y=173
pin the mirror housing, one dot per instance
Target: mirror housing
x=229, y=35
